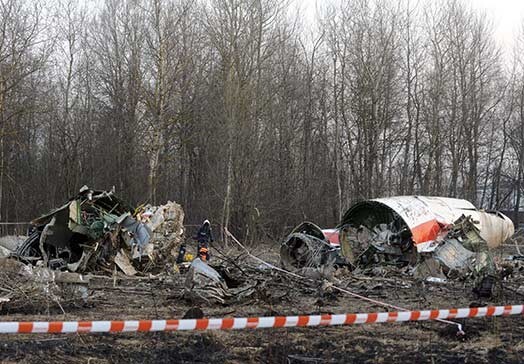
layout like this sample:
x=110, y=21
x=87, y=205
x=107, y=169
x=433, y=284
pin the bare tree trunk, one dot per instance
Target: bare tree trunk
x=227, y=198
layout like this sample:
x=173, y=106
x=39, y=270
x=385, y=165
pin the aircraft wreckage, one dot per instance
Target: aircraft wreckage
x=439, y=238
x=96, y=230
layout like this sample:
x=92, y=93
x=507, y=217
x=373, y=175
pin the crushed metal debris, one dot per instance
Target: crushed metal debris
x=96, y=230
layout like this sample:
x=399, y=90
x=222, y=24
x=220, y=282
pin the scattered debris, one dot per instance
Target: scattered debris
x=24, y=286
x=428, y=269
x=388, y=272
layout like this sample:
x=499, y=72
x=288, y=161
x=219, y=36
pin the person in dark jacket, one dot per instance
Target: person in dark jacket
x=204, y=236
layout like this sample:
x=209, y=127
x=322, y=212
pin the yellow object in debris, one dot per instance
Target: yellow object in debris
x=188, y=257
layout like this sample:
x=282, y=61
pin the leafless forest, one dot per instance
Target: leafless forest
x=246, y=113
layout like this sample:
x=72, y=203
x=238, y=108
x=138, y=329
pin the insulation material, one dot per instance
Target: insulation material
x=11, y=242
x=495, y=228
x=166, y=222
x=24, y=286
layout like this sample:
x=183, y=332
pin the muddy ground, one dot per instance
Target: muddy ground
x=487, y=340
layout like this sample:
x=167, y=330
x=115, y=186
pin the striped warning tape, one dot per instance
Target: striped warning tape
x=252, y=322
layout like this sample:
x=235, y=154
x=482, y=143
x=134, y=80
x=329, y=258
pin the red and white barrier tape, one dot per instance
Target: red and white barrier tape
x=252, y=322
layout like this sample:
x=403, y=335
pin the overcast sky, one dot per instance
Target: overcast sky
x=506, y=14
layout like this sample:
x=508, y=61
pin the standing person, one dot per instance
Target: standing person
x=204, y=236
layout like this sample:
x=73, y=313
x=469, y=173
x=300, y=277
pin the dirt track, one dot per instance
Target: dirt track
x=487, y=340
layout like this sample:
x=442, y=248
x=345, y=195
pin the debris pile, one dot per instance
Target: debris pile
x=386, y=244
x=95, y=230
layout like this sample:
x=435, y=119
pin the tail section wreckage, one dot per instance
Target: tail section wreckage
x=426, y=218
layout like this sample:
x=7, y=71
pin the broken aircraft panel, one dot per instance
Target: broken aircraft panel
x=332, y=236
